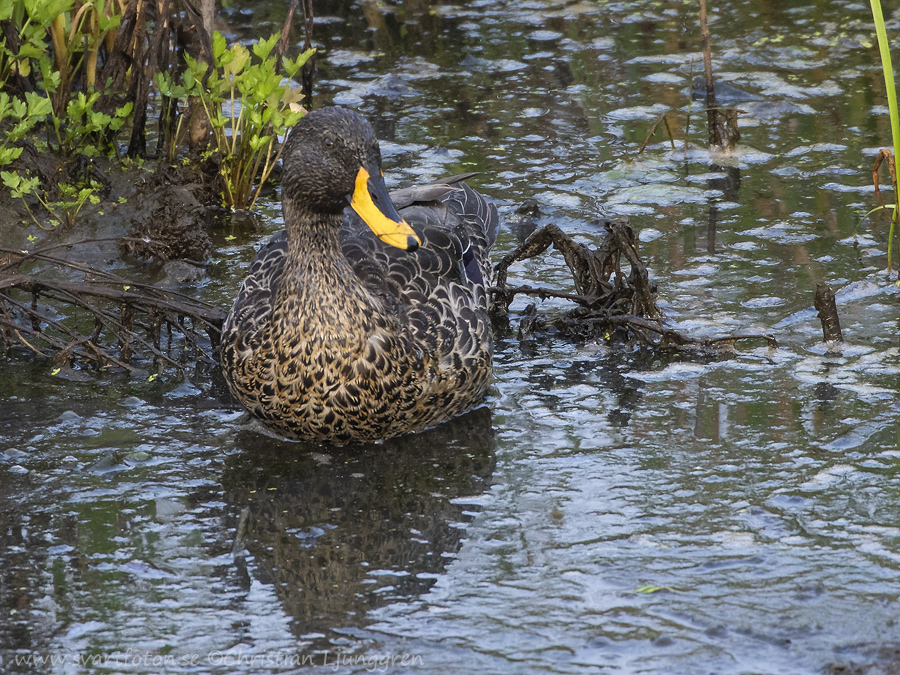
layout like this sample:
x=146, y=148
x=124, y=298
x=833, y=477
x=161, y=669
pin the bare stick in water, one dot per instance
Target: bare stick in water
x=825, y=304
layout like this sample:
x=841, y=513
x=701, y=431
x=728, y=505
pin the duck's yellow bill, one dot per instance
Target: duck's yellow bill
x=382, y=217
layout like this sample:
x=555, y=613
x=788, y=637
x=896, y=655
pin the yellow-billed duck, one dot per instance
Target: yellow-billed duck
x=362, y=323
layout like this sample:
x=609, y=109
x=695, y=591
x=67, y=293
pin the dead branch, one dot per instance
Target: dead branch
x=122, y=315
x=826, y=307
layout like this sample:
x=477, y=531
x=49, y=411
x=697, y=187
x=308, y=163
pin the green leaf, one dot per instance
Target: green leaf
x=100, y=120
x=6, y=9
x=292, y=118
x=50, y=77
x=164, y=83
x=30, y=185
x=189, y=80
x=22, y=67
x=263, y=48
x=254, y=118
x=45, y=11
x=219, y=45
x=31, y=51
x=238, y=60
x=38, y=106
x=11, y=179
x=8, y=155
x=257, y=142
x=19, y=186
x=291, y=67
x=107, y=23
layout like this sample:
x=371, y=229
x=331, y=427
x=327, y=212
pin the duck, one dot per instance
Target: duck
x=366, y=317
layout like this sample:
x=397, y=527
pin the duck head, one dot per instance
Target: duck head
x=332, y=157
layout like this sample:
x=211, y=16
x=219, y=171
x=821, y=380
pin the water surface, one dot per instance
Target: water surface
x=602, y=512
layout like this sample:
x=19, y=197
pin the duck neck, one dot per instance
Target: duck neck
x=317, y=237
x=317, y=274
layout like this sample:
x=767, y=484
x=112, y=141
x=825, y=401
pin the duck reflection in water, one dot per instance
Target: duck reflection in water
x=342, y=533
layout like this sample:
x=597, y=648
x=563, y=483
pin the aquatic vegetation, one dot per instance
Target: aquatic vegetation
x=75, y=125
x=76, y=34
x=87, y=132
x=24, y=114
x=249, y=103
x=53, y=77
x=63, y=208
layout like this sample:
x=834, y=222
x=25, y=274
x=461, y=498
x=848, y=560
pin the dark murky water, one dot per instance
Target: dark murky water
x=145, y=529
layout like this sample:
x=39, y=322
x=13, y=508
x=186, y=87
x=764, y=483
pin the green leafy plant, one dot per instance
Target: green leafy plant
x=76, y=31
x=249, y=103
x=23, y=115
x=84, y=123
x=86, y=127
x=63, y=209
x=31, y=38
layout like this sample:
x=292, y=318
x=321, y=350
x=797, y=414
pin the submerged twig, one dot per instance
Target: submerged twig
x=663, y=119
x=712, y=112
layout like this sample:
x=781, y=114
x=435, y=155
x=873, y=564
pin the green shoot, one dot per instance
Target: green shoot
x=891, y=90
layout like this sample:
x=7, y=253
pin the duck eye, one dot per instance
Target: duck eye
x=329, y=143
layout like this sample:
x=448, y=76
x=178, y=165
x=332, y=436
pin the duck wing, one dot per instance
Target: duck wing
x=466, y=213
x=459, y=224
x=253, y=305
x=439, y=292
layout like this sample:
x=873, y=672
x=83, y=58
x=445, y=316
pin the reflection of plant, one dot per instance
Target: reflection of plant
x=249, y=105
